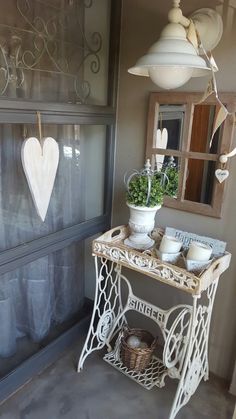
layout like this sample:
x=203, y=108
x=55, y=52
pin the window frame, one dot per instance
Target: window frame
x=190, y=99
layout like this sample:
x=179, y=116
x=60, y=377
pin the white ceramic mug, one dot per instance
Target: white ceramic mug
x=170, y=244
x=199, y=251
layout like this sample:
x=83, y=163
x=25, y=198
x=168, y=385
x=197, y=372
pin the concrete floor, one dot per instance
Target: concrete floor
x=101, y=392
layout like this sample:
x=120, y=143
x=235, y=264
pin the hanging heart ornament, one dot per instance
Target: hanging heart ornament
x=221, y=175
x=40, y=165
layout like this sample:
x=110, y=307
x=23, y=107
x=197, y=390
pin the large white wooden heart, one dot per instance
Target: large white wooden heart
x=40, y=167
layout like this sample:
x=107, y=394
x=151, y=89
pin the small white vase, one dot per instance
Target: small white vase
x=141, y=223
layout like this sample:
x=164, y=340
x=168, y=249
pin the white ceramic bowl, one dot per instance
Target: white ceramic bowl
x=170, y=244
x=168, y=257
x=196, y=265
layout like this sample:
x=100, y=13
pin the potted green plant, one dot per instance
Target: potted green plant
x=144, y=197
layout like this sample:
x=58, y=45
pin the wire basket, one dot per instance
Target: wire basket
x=137, y=359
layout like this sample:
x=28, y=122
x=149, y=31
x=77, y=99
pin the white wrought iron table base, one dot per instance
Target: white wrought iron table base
x=185, y=327
x=153, y=375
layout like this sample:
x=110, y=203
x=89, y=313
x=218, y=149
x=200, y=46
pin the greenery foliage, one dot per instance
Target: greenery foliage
x=173, y=181
x=162, y=183
x=138, y=191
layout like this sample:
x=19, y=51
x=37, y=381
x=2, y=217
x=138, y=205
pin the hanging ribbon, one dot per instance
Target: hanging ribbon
x=40, y=129
x=208, y=92
x=192, y=35
x=221, y=111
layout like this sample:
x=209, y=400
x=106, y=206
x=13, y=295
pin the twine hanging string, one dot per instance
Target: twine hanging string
x=25, y=132
x=40, y=129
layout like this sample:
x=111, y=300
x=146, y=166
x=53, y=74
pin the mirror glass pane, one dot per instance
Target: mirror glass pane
x=202, y=128
x=170, y=127
x=200, y=181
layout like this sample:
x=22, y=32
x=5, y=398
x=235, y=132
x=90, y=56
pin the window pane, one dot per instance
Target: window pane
x=55, y=51
x=78, y=192
x=97, y=20
x=94, y=168
x=200, y=181
x=202, y=128
x=170, y=127
x=40, y=301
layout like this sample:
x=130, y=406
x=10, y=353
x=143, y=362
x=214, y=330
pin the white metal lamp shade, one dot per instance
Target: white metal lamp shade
x=173, y=59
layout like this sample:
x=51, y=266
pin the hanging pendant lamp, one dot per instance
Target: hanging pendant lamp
x=175, y=57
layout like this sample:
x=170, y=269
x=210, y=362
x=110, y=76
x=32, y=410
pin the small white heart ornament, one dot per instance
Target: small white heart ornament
x=40, y=165
x=221, y=175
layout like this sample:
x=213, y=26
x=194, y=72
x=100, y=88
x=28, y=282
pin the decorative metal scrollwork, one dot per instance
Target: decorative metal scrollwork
x=175, y=344
x=148, y=265
x=193, y=377
x=104, y=325
x=42, y=44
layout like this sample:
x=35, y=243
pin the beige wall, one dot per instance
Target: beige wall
x=141, y=25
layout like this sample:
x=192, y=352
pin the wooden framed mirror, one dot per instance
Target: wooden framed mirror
x=188, y=148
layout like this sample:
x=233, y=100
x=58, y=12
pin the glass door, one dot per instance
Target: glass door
x=57, y=58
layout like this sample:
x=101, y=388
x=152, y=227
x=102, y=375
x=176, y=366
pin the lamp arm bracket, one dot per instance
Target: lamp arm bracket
x=207, y=22
x=175, y=15
x=185, y=22
x=224, y=157
x=209, y=25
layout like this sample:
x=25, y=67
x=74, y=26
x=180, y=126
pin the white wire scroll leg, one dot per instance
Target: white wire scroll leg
x=106, y=309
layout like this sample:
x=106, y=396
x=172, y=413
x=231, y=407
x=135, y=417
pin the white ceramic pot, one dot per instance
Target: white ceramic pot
x=141, y=223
